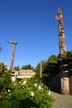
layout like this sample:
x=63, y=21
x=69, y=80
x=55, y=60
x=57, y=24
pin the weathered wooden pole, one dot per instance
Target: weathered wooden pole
x=41, y=70
x=13, y=54
x=63, y=54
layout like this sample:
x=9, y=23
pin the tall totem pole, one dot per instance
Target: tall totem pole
x=63, y=54
x=62, y=43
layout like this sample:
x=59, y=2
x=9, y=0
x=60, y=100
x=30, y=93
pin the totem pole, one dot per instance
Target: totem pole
x=62, y=42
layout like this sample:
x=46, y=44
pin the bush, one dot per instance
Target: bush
x=31, y=94
x=24, y=94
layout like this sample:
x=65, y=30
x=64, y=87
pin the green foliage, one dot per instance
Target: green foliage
x=51, y=66
x=23, y=94
x=33, y=94
x=5, y=104
x=5, y=82
x=27, y=67
x=37, y=70
x=2, y=68
x=53, y=58
x=17, y=68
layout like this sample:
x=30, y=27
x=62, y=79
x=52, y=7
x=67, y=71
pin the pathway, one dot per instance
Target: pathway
x=62, y=101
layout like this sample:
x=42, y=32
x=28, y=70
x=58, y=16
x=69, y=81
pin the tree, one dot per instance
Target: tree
x=2, y=68
x=17, y=68
x=53, y=58
x=37, y=70
x=51, y=64
x=51, y=68
x=27, y=67
x=5, y=81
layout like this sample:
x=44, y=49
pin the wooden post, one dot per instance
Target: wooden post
x=41, y=70
x=13, y=54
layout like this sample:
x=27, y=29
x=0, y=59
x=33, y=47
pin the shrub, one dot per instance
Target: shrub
x=24, y=94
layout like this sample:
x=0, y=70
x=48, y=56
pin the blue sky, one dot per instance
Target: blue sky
x=32, y=24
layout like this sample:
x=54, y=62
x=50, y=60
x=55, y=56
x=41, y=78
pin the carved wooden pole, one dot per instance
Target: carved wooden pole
x=63, y=54
x=13, y=54
x=62, y=42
